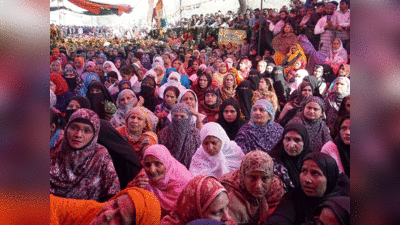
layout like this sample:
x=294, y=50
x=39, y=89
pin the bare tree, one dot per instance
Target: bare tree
x=242, y=8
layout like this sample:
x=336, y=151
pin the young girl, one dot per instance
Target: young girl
x=162, y=110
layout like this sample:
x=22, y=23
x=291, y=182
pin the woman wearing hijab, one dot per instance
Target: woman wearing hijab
x=79, y=62
x=298, y=78
x=295, y=55
x=334, y=99
x=339, y=148
x=290, y=151
x=147, y=89
x=221, y=73
x=81, y=168
x=108, y=67
x=244, y=68
x=158, y=67
x=291, y=72
x=122, y=85
x=101, y=58
x=280, y=84
x=138, y=130
x=344, y=71
x=338, y=55
x=229, y=117
x=203, y=82
x=265, y=90
x=253, y=189
x=178, y=65
x=88, y=79
x=229, y=85
x=282, y=42
x=75, y=83
x=101, y=101
x=181, y=137
x=126, y=101
x=200, y=199
x=245, y=94
x=55, y=67
x=312, y=118
x=210, y=105
x=320, y=83
x=163, y=176
x=217, y=155
x=261, y=132
x=335, y=210
x=318, y=178
x=344, y=110
x=291, y=108
x=137, y=206
x=60, y=88
x=162, y=110
x=74, y=104
x=173, y=80
x=57, y=124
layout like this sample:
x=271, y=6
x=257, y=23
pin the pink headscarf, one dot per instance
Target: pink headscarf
x=176, y=177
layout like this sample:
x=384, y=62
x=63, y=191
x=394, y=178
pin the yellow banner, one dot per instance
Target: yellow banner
x=235, y=37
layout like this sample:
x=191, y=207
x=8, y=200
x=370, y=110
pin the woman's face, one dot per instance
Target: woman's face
x=345, y=131
x=261, y=67
x=210, y=99
x=293, y=143
x=170, y=98
x=336, y=44
x=257, y=183
x=341, y=87
x=117, y=64
x=218, y=63
x=118, y=211
x=95, y=91
x=73, y=104
x=212, y=145
x=293, y=49
x=312, y=179
x=223, y=68
x=90, y=68
x=297, y=66
x=125, y=99
x=154, y=168
x=136, y=123
x=68, y=66
x=98, y=70
x=125, y=86
x=203, y=82
x=78, y=64
x=342, y=72
x=307, y=91
x=270, y=69
x=263, y=85
x=79, y=134
x=229, y=82
x=312, y=111
x=242, y=65
x=53, y=86
x=189, y=99
x=176, y=64
x=318, y=72
x=260, y=116
x=347, y=106
x=158, y=70
x=230, y=114
x=286, y=29
x=218, y=208
x=196, y=66
x=55, y=66
x=107, y=68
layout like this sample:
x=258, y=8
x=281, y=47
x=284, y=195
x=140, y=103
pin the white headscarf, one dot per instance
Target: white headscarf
x=227, y=160
x=171, y=82
x=113, y=69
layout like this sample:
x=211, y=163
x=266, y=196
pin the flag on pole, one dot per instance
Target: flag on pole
x=158, y=13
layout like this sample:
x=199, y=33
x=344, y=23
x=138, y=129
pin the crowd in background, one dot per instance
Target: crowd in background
x=180, y=129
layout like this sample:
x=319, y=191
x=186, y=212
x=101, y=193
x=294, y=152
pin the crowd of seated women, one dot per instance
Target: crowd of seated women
x=176, y=136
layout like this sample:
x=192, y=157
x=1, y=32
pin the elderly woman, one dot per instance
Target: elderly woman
x=221, y=73
x=204, y=197
x=253, y=189
x=60, y=87
x=137, y=206
x=334, y=99
x=210, y=105
x=81, y=168
x=138, y=130
x=289, y=152
x=55, y=67
x=339, y=148
x=126, y=101
x=295, y=56
x=228, y=88
x=162, y=175
x=217, y=155
x=180, y=137
x=312, y=118
x=261, y=132
x=318, y=178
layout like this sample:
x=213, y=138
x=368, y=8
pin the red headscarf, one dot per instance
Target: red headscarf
x=59, y=81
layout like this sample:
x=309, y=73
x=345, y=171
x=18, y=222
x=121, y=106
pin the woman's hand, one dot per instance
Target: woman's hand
x=140, y=181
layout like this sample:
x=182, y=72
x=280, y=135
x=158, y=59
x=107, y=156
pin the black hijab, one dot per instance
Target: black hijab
x=245, y=94
x=269, y=74
x=344, y=150
x=147, y=89
x=97, y=100
x=340, y=206
x=328, y=74
x=232, y=128
x=83, y=103
x=254, y=77
x=280, y=84
x=123, y=155
x=292, y=163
